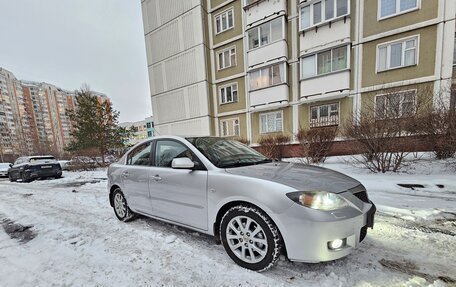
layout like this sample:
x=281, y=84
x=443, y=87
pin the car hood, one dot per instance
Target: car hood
x=299, y=176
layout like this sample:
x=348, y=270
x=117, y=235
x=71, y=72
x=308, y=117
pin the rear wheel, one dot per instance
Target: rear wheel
x=250, y=238
x=120, y=206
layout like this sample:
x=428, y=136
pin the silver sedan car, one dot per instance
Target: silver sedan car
x=257, y=208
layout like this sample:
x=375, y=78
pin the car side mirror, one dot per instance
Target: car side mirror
x=182, y=163
x=10, y=165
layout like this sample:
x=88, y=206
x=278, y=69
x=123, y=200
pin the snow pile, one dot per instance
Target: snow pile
x=80, y=242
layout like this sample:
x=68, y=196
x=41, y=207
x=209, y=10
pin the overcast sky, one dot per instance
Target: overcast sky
x=71, y=42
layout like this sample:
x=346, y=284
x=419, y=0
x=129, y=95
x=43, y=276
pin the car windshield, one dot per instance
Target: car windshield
x=41, y=159
x=225, y=153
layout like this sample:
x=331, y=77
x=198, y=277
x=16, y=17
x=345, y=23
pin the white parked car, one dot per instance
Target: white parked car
x=257, y=208
x=4, y=166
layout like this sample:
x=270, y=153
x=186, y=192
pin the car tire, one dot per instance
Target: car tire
x=25, y=178
x=11, y=178
x=120, y=206
x=250, y=238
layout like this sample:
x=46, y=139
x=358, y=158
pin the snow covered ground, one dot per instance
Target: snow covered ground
x=79, y=242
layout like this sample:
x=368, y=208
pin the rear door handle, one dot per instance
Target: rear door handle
x=125, y=174
x=156, y=177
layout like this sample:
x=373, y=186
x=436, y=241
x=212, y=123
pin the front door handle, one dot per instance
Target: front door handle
x=125, y=174
x=156, y=177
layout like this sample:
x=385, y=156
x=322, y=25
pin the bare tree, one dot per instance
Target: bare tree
x=384, y=132
x=315, y=143
x=273, y=146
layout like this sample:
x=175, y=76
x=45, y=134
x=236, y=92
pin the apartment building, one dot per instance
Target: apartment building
x=140, y=130
x=33, y=117
x=258, y=67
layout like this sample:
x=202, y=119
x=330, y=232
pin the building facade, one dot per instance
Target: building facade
x=252, y=68
x=140, y=130
x=33, y=117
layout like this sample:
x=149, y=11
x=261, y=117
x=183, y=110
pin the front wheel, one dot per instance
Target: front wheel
x=25, y=178
x=120, y=206
x=11, y=178
x=250, y=238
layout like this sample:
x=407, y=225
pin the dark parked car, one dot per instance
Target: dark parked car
x=29, y=168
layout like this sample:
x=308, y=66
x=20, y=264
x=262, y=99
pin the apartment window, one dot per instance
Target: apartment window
x=265, y=34
x=229, y=94
x=395, y=105
x=227, y=58
x=398, y=54
x=271, y=122
x=230, y=127
x=325, y=62
x=224, y=21
x=322, y=11
x=324, y=115
x=267, y=77
x=390, y=8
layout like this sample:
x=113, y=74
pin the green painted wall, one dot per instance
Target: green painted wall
x=287, y=124
x=426, y=59
x=233, y=32
x=239, y=68
x=240, y=104
x=345, y=112
x=425, y=94
x=242, y=122
x=372, y=26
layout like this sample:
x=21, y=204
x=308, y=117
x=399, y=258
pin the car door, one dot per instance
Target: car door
x=136, y=176
x=179, y=195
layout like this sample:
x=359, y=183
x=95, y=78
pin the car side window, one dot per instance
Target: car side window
x=167, y=150
x=140, y=155
x=18, y=161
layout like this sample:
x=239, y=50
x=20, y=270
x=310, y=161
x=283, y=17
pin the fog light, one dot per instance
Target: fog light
x=336, y=244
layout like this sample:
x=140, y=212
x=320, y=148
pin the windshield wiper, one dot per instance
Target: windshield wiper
x=239, y=163
x=267, y=160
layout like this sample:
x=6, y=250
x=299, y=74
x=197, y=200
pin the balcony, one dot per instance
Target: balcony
x=270, y=96
x=256, y=10
x=263, y=54
x=325, y=121
x=325, y=87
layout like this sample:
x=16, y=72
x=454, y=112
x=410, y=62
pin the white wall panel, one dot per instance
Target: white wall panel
x=193, y=127
x=159, y=12
x=330, y=84
x=181, y=70
x=180, y=104
x=264, y=9
x=163, y=42
x=325, y=36
x=175, y=37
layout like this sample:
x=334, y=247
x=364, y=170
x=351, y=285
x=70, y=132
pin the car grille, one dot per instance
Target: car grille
x=363, y=233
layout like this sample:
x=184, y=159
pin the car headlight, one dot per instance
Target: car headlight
x=320, y=200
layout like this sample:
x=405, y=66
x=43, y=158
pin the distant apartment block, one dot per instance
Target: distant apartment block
x=33, y=116
x=252, y=68
x=140, y=130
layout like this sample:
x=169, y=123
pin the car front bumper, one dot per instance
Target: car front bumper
x=308, y=241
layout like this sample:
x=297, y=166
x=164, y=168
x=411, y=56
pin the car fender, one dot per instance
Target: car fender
x=268, y=196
